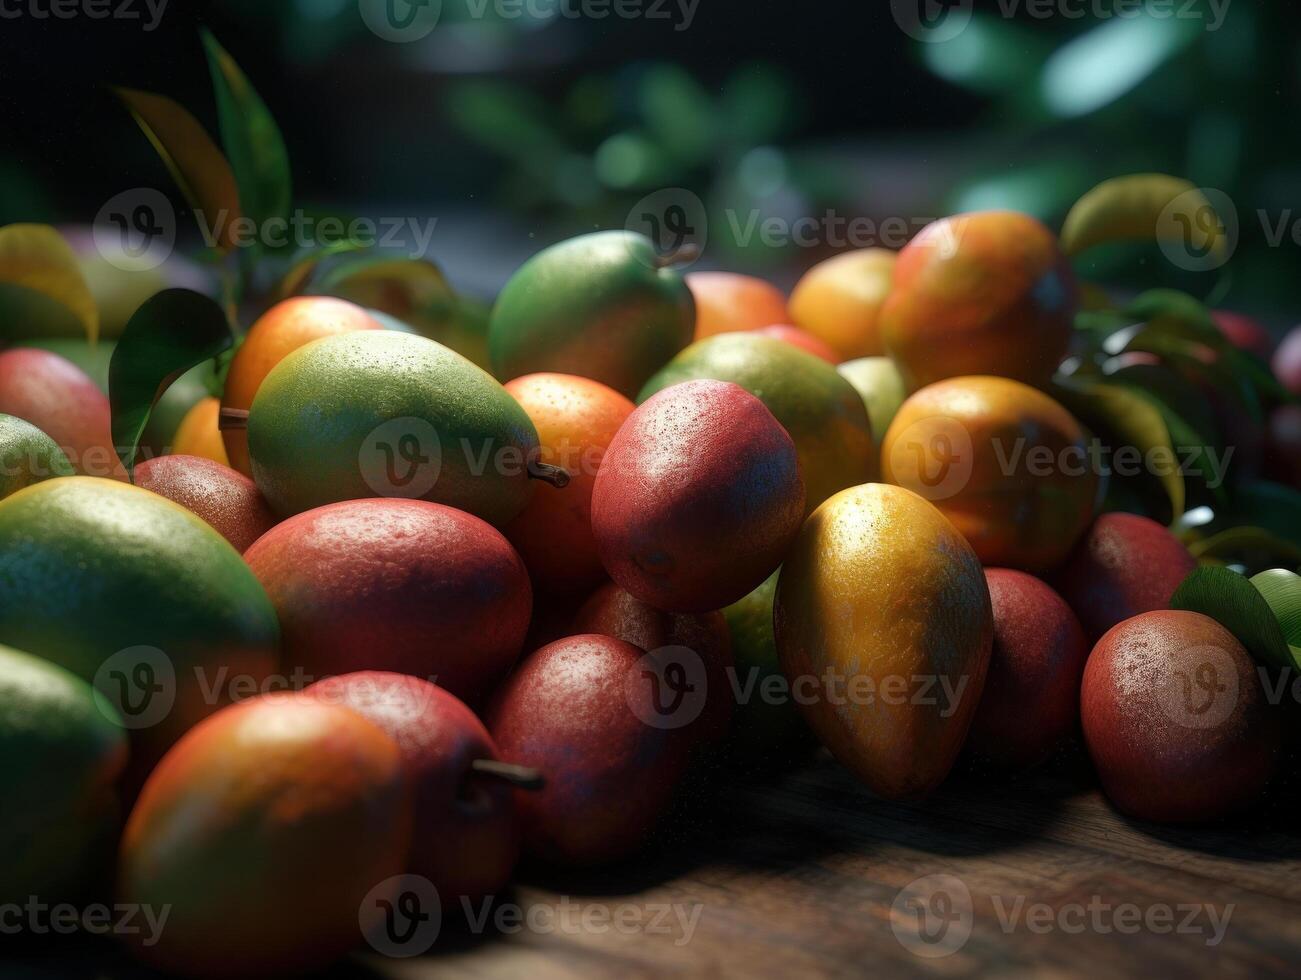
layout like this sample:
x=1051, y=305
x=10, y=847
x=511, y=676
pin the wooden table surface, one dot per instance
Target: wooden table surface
x=810, y=876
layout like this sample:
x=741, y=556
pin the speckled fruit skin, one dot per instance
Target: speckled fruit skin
x=467, y=835
x=576, y=419
x=568, y=711
x=228, y=501
x=698, y=498
x=60, y=757
x=312, y=428
x=1003, y=461
x=597, y=306
x=264, y=830
x=27, y=456
x=727, y=302
x=610, y=611
x=1176, y=719
x=94, y=567
x=802, y=339
x=1124, y=565
x=1031, y=703
x=277, y=333
x=882, y=594
x=840, y=301
x=396, y=585
x=820, y=410
x=58, y=398
x=982, y=293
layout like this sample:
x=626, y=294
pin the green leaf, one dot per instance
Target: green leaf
x=40, y=277
x=171, y=332
x=305, y=263
x=196, y=164
x=1271, y=506
x=251, y=138
x=1232, y=601
x=1142, y=207
x=1131, y=419
x=1246, y=545
x=1281, y=588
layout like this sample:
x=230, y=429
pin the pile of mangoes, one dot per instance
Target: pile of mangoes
x=380, y=613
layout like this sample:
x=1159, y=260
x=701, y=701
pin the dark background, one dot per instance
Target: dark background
x=515, y=133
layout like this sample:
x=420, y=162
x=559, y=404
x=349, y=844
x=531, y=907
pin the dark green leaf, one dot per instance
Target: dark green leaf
x=1232, y=601
x=1248, y=546
x=251, y=137
x=171, y=332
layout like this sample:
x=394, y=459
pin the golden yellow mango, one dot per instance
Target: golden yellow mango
x=884, y=629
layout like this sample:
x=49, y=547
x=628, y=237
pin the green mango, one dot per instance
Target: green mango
x=766, y=725
x=601, y=306
x=823, y=412
x=123, y=587
x=61, y=753
x=27, y=456
x=878, y=380
x=378, y=413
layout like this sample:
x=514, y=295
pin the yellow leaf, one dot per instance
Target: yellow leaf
x=1144, y=207
x=35, y=257
x=193, y=159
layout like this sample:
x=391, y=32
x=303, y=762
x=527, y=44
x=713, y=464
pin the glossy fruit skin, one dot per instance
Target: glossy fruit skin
x=982, y=293
x=315, y=437
x=60, y=757
x=1003, y=461
x=766, y=727
x=597, y=306
x=198, y=435
x=95, y=567
x=467, y=835
x=1176, y=719
x=396, y=585
x=698, y=498
x=264, y=830
x=281, y=330
x=1244, y=332
x=58, y=398
x=1125, y=565
x=574, y=710
x=820, y=410
x=1031, y=704
x=576, y=419
x=802, y=339
x=840, y=300
x=610, y=611
x=728, y=301
x=228, y=501
x=27, y=456
x=881, y=386
x=880, y=589
x=1287, y=362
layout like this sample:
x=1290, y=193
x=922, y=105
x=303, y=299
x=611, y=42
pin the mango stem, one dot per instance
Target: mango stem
x=232, y=418
x=682, y=255
x=557, y=476
x=520, y=777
